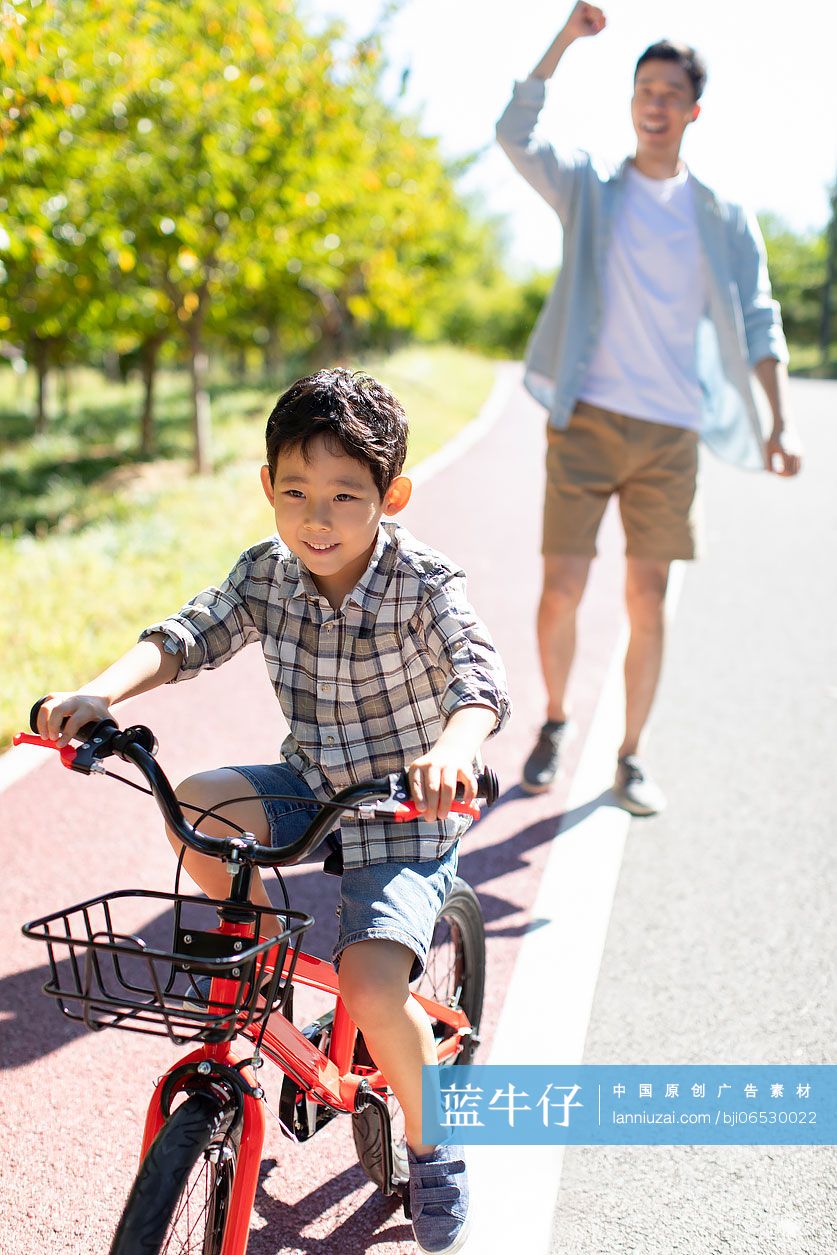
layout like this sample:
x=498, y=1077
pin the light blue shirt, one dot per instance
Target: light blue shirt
x=742, y=324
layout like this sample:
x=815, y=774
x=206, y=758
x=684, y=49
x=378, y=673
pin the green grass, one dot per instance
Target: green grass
x=806, y=360
x=121, y=544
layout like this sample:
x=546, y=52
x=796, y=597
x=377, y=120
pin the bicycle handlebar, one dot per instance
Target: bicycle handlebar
x=138, y=745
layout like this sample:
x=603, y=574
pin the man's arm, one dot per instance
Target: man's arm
x=782, y=454
x=766, y=346
x=552, y=176
x=584, y=20
x=145, y=666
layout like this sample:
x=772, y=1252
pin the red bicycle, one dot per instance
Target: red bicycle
x=219, y=979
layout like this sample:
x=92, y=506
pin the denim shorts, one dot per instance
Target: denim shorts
x=391, y=901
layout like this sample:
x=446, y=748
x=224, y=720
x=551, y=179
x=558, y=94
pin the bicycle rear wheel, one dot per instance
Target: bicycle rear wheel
x=179, y=1202
x=455, y=976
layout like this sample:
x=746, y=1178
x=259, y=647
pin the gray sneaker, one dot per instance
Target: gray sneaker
x=439, y=1200
x=635, y=790
x=542, y=764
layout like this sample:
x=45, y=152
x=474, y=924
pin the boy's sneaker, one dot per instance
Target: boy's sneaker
x=542, y=764
x=439, y=1199
x=635, y=790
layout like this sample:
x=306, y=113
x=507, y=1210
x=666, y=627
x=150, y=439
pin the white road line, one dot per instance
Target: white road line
x=546, y=1012
x=22, y=759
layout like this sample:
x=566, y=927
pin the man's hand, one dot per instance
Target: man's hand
x=584, y=20
x=782, y=454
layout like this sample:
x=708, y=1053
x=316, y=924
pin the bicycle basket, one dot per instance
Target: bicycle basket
x=104, y=974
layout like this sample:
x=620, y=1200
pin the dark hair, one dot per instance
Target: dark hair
x=685, y=57
x=353, y=412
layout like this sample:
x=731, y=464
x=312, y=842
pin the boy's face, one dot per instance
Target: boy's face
x=662, y=106
x=327, y=509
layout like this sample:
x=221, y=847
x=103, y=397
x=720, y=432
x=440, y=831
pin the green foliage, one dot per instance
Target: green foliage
x=797, y=265
x=217, y=172
x=138, y=545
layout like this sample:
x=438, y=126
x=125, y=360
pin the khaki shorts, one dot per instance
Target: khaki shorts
x=652, y=467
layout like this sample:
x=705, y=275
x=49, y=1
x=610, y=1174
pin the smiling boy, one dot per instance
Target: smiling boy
x=660, y=316
x=378, y=662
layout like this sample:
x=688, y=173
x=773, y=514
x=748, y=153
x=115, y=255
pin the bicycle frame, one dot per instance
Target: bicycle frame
x=326, y=1077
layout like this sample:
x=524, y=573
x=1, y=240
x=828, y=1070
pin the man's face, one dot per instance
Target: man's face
x=327, y=508
x=662, y=106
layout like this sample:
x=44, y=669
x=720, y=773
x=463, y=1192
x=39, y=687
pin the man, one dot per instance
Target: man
x=659, y=318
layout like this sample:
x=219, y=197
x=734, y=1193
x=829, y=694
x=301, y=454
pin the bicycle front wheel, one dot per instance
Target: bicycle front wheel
x=453, y=975
x=179, y=1202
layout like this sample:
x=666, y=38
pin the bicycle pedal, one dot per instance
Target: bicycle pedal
x=405, y=1200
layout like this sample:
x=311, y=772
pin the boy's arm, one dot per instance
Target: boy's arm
x=434, y=776
x=145, y=666
x=475, y=702
x=552, y=176
x=213, y=626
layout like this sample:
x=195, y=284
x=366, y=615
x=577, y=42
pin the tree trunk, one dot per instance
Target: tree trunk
x=40, y=360
x=148, y=367
x=201, y=412
x=830, y=281
x=64, y=390
x=271, y=357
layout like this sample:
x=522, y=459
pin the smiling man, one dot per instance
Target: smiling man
x=658, y=320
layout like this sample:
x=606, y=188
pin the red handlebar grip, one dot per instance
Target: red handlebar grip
x=66, y=752
x=409, y=811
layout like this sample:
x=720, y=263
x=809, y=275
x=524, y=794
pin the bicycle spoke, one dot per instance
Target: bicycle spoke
x=208, y=1173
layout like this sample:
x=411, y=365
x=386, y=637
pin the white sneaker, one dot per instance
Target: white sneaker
x=635, y=790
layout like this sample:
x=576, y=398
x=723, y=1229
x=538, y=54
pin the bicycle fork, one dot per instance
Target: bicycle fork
x=214, y=1070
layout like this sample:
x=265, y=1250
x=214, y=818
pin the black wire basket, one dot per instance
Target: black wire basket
x=105, y=975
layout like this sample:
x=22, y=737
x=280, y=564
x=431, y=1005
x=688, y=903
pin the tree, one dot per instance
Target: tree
x=830, y=282
x=797, y=273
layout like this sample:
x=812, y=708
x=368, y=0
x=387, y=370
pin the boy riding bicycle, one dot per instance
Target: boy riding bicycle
x=378, y=661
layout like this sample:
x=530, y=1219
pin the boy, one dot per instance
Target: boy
x=378, y=661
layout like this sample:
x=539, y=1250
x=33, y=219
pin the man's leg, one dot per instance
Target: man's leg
x=564, y=578
x=645, y=590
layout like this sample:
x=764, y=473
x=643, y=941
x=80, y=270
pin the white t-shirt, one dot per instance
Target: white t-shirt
x=654, y=296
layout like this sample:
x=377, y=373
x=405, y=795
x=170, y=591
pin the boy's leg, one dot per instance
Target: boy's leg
x=387, y=916
x=207, y=790
x=374, y=984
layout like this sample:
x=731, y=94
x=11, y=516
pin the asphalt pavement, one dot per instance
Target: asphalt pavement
x=723, y=933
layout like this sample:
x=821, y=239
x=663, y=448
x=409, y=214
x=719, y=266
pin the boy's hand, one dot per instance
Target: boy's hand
x=434, y=777
x=62, y=714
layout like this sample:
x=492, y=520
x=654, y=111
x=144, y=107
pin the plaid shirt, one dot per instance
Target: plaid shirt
x=366, y=688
